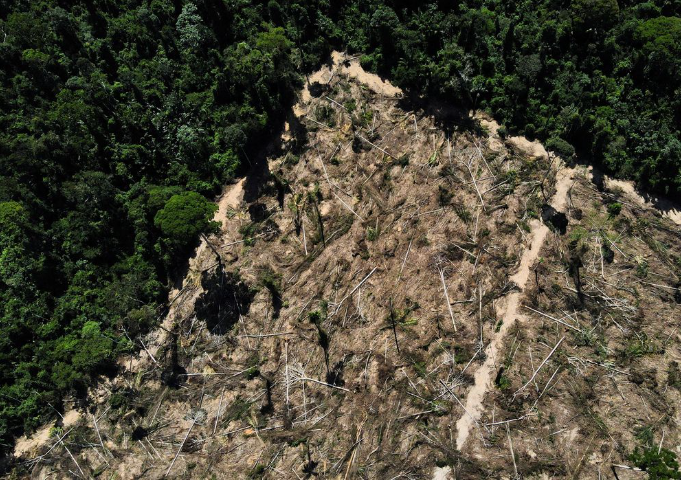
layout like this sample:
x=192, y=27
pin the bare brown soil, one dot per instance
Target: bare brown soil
x=509, y=311
x=612, y=384
x=388, y=289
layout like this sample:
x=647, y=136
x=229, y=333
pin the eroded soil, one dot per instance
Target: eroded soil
x=389, y=302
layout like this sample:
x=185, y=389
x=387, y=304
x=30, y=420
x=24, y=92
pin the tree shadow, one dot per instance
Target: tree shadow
x=224, y=299
x=447, y=116
x=558, y=221
x=668, y=206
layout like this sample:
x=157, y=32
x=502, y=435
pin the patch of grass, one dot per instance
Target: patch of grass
x=674, y=375
x=326, y=114
x=350, y=105
x=578, y=235
x=271, y=280
x=645, y=434
x=372, y=234
x=504, y=383
x=420, y=368
x=248, y=231
x=512, y=178
x=121, y=399
x=402, y=161
x=640, y=345
x=423, y=241
x=237, y=409
x=253, y=364
x=409, y=322
x=463, y=213
x=641, y=267
x=297, y=441
x=461, y=355
x=614, y=209
x=399, y=315
x=257, y=472
x=366, y=117
x=598, y=422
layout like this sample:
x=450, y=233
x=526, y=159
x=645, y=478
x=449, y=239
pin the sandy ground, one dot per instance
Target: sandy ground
x=442, y=473
x=666, y=207
x=351, y=67
x=371, y=80
x=230, y=199
x=533, y=149
x=383, y=390
x=509, y=313
x=27, y=445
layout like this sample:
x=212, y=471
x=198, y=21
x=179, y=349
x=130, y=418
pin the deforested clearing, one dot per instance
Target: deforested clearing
x=398, y=292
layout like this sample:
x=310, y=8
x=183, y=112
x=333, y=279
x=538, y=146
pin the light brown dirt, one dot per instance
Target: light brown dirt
x=29, y=445
x=371, y=80
x=669, y=209
x=342, y=64
x=606, y=390
x=509, y=312
x=340, y=226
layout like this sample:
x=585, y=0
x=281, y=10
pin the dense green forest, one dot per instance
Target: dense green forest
x=121, y=119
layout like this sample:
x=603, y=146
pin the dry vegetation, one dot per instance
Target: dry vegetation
x=609, y=289
x=335, y=327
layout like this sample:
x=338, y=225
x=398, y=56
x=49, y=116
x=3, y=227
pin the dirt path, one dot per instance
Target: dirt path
x=508, y=311
x=27, y=445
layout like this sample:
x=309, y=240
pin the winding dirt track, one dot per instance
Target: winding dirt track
x=508, y=311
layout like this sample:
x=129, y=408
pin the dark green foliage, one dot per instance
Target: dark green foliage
x=504, y=383
x=118, y=121
x=560, y=147
x=372, y=234
x=614, y=209
x=183, y=217
x=597, y=76
x=661, y=42
x=463, y=213
x=659, y=464
x=594, y=14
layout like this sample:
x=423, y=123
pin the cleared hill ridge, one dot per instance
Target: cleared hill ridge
x=312, y=336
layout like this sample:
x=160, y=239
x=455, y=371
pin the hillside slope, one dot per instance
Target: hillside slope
x=399, y=294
